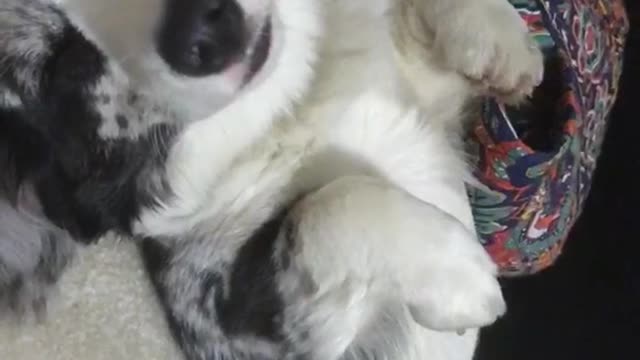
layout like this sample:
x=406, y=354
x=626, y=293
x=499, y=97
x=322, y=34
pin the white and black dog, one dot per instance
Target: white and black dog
x=292, y=167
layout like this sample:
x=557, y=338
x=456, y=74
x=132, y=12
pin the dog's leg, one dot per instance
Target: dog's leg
x=485, y=40
x=33, y=255
x=417, y=158
x=220, y=301
x=359, y=245
x=407, y=147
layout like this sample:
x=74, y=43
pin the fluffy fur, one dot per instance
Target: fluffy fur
x=317, y=211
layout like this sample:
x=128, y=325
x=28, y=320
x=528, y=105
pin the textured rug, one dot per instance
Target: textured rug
x=105, y=310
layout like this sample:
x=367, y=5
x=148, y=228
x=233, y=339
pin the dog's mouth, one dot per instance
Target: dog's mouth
x=258, y=52
x=220, y=42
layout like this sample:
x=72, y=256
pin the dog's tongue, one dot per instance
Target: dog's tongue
x=237, y=72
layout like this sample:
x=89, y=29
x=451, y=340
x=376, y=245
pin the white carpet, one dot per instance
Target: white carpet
x=105, y=310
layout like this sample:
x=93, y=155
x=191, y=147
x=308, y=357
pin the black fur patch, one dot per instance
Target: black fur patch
x=83, y=184
x=236, y=301
x=122, y=121
x=253, y=302
x=87, y=184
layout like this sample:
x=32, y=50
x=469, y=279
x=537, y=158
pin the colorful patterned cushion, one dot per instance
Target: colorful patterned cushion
x=535, y=183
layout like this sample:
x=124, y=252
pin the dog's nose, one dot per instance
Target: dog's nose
x=201, y=37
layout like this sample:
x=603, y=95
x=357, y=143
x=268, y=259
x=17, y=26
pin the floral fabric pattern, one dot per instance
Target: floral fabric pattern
x=529, y=199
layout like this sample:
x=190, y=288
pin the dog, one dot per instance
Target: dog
x=297, y=191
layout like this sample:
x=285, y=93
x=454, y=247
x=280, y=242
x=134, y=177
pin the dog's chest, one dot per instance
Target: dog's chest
x=287, y=161
x=265, y=177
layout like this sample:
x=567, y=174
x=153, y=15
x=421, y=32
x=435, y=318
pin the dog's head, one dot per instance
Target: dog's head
x=200, y=55
x=85, y=84
x=190, y=58
x=90, y=94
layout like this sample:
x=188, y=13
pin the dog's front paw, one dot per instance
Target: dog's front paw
x=358, y=235
x=33, y=255
x=488, y=43
x=26, y=299
x=456, y=287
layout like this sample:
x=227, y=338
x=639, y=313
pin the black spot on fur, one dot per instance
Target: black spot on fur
x=290, y=233
x=104, y=99
x=122, y=121
x=212, y=287
x=253, y=302
x=285, y=259
x=237, y=301
x=133, y=98
x=156, y=256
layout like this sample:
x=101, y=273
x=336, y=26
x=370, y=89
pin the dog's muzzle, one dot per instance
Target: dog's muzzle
x=205, y=37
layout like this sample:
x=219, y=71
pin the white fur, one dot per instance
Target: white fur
x=387, y=233
x=403, y=244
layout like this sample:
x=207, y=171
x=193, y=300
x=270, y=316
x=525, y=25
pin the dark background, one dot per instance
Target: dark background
x=587, y=306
